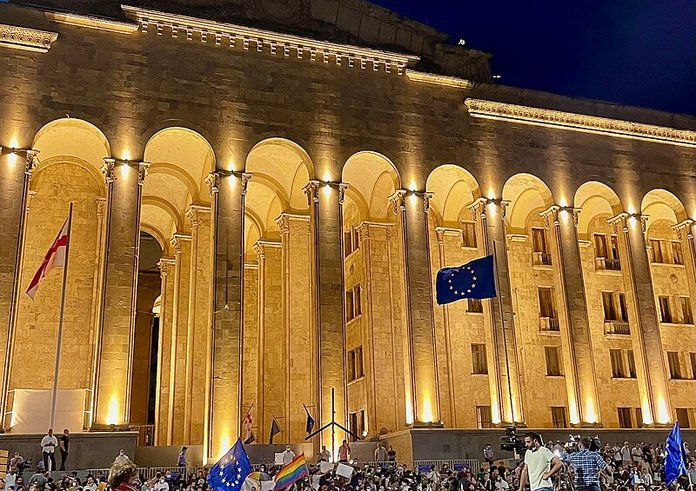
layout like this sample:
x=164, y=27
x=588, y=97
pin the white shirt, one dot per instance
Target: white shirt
x=537, y=463
x=288, y=457
x=45, y=443
x=161, y=485
x=10, y=480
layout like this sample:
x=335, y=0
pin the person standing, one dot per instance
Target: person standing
x=48, y=448
x=324, y=455
x=64, y=448
x=181, y=461
x=587, y=466
x=391, y=454
x=380, y=454
x=488, y=454
x=539, y=464
x=344, y=452
x=288, y=455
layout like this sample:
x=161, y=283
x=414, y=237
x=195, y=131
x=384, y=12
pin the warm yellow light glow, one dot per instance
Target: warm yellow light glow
x=12, y=159
x=225, y=445
x=495, y=413
x=326, y=190
x=427, y=409
x=662, y=411
x=125, y=170
x=112, y=417
x=647, y=412
x=590, y=411
x=409, y=412
x=411, y=186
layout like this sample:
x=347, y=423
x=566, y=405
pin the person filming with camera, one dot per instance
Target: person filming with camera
x=540, y=464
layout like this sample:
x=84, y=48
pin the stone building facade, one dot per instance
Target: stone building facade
x=263, y=200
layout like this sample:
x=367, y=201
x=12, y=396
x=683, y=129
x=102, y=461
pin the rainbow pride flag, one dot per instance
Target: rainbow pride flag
x=291, y=473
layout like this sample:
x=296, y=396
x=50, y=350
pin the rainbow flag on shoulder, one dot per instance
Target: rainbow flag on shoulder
x=291, y=473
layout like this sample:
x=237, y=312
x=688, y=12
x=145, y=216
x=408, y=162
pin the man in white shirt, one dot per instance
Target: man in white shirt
x=288, y=455
x=48, y=447
x=539, y=464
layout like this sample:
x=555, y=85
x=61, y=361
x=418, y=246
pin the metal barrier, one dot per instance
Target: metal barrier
x=471, y=464
x=150, y=472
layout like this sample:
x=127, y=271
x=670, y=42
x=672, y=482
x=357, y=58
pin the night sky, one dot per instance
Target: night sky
x=634, y=52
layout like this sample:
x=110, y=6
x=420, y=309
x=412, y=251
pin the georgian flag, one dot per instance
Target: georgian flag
x=55, y=258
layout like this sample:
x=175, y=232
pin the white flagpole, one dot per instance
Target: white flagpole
x=499, y=292
x=54, y=392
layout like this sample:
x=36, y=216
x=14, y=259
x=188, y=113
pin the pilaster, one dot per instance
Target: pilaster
x=647, y=342
x=167, y=268
x=575, y=336
x=124, y=181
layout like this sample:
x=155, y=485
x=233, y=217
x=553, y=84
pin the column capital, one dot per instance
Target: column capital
x=213, y=179
x=143, y=169
x=623, y=219
x=110, y=164
x=553, y=212
x=284, y=219
x=195, y=213
x=108, y=169
x=32, y=160
x=165, y=265
x=261, y=245
x=397, y=201
x=442, y=231
x=177, y=241
x=311, y=190
x=684, y=226
x=478, y=207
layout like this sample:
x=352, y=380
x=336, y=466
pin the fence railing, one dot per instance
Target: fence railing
x=471, y=464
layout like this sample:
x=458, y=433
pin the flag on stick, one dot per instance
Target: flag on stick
x=475, y=279
x=229, y=473
x=55, y=258
x=310, y=421
x=291, y=473
x=675, y=462
x=249, y=436
x=275, y=429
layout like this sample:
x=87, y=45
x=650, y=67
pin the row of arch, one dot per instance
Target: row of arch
x=181, y=159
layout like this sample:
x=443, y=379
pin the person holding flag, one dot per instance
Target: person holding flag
x=230, y=472
x=291, y=473
x=675, y=458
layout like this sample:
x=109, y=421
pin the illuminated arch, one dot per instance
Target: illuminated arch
x=595, y=199
x=527, y=194
x=372, y=178
x=453, y=188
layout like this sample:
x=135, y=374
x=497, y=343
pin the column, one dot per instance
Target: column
x=503, y=361
x=198, y=321
x=412, y=209
x=647, y=342
x=124, y=181
x=325, y=203
x=16, y=167
x=224, y=372
x=575, y=336
x=166, y=267
x=685, y=234
x=181, y=245
x=299, y=333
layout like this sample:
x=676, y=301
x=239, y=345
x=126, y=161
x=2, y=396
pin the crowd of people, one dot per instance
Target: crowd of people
x=582, y=465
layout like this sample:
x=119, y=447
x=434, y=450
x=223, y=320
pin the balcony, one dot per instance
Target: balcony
x=606, y=264
x=541, y=259
x=549, y=324
x=616, y=327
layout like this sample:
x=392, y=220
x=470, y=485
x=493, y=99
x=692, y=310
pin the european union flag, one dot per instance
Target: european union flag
x=475, y=279
x=229, y=473
x=675, y=461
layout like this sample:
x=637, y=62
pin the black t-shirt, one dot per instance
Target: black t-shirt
x=65, y=440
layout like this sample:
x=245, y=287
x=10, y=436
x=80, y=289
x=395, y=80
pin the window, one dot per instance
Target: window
x=355, y=364
x=558, y=417
x=623, y=311
x=683, y=417
x=674, y=365
x=631, y=363
x=547, y=313
x=665, y=312
x=639, y=417
x=353, y=303
x=692, y=357
x=540, y=254
x=624, y=417
x=614, y=304
x=474, y=305
x=553, y=361
x=677, y=256
x=468, y=234
x=483, y=417
x=685, y=307
x=357, y=424
x=618, y=368
x=608, y=303
x=478, y=359
x=607, y=252
x=600, y=246
x=656, y=254
x=351, y=241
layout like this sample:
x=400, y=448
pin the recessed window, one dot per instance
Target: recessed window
x=553, y=360
x=558, y=417
x=474, y=305
x=674, y=365
x=483, y=417
x=665, y=310
x=469, y=234
x=540, y=250
x=624, y=414
x=478, y=359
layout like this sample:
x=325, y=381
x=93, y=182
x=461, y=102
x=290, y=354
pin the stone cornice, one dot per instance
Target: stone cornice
x=242, y=36
x=91, y=22
x=26, y=38
x=579, y=122
x=434, y=79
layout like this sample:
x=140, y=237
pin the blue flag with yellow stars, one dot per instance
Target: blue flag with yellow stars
x=229, y=473
x=475, y=279
x=675, y=460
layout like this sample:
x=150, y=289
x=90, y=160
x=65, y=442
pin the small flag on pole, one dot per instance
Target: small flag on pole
x=55, y=258
x=675, y=463
x=475, y=279
x=310, y=421
x=291, y=473
x=249, y=436
x=229, y=473
x=275, y=429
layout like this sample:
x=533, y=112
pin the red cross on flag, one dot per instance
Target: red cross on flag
x=55, y=258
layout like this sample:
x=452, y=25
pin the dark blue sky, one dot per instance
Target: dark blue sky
x=635, y=52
